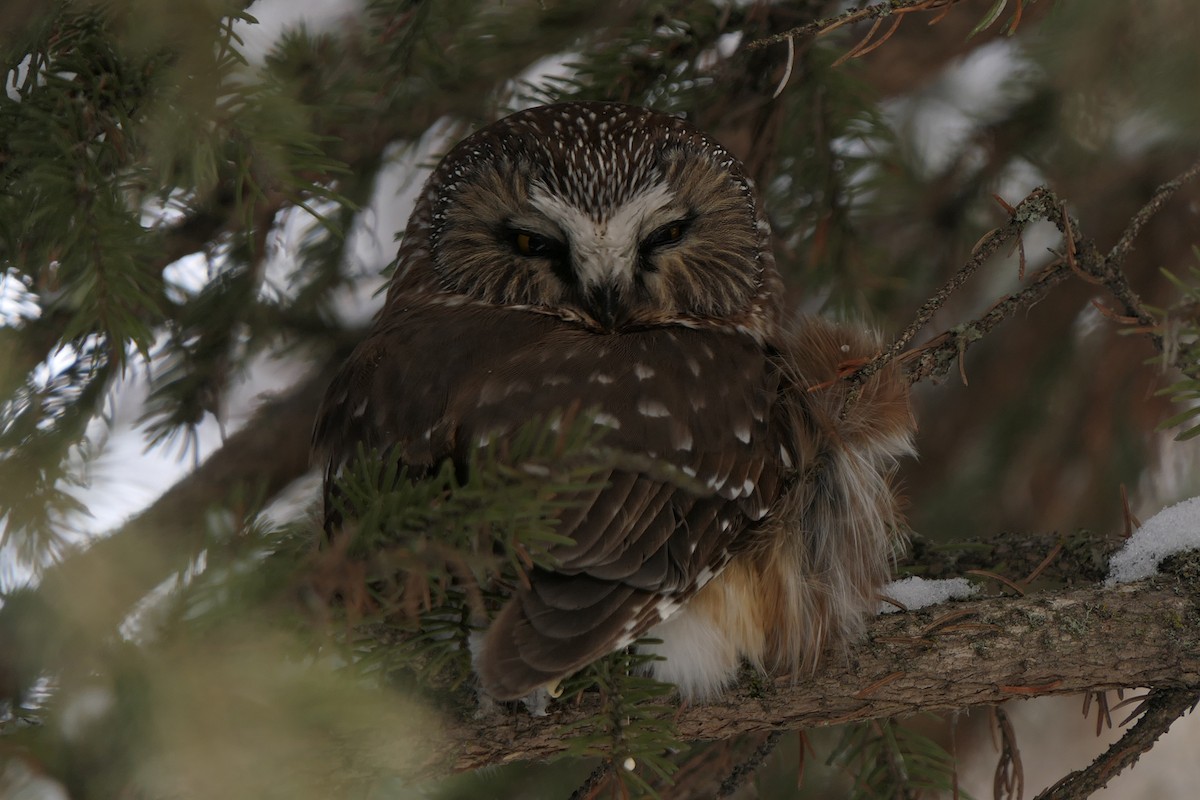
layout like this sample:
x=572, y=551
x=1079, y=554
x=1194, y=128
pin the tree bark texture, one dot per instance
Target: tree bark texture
x=947, y=657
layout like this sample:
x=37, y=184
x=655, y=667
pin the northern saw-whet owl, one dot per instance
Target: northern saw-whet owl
x=604, y=256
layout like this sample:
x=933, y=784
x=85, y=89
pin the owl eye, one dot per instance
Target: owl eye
x=670, y=233
x=534, y=245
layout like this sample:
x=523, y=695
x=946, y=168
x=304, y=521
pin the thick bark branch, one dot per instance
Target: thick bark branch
x=944, y=658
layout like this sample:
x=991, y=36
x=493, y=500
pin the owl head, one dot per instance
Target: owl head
x=608, y=216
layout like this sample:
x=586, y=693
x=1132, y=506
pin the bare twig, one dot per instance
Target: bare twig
x=826, y=25
x=1116, y=256
x=1080, y=257
x=1162, y=708
x=594, y=782
x=1009, y=780
x=749, y=766
x=1040, y=204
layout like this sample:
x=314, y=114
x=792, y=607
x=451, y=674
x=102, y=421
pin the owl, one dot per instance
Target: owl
x=605, y=256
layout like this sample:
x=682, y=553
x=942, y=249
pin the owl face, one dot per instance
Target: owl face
x=609, y=216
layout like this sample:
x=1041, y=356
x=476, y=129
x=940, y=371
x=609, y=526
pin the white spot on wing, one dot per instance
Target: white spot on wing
x=742, y=432
x=607, y=420
x=652, y=408
x=643, y=371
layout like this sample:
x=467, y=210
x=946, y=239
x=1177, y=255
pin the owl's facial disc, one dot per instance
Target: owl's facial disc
x=607, y=216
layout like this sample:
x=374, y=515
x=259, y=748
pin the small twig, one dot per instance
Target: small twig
x=867, y=691
x=787, y=68
x=983, y=573
x=945, y=619
x=594, y=781
x=1110, y=267
x=1045, y=562
x=826, y=25
x=1009, y=780
x=749, y=766
x=1163, y=707
x=936, y=357
x=1132, y=523
x=853, y=51
x=1080, y=258
x=1036, y=205
x=1120, y=251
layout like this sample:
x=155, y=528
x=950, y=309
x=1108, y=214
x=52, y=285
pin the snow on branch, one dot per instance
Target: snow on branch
x=1173, y=530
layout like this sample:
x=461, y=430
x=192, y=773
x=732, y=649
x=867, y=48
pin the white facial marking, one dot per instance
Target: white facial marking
x=605, y=250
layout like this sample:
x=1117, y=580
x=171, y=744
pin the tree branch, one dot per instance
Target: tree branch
x=1161, y=708
x=87, y=595
x=821, y=27
x=943, y=658
x=1080, y=257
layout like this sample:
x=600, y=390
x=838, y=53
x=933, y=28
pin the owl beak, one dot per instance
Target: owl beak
x=605, y=306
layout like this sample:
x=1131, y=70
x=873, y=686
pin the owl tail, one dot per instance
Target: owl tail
x=554, y=628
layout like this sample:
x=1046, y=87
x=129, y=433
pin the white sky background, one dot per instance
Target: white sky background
x=934, y=122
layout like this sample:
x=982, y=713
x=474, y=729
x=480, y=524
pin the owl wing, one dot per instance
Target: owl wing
x=642, y=544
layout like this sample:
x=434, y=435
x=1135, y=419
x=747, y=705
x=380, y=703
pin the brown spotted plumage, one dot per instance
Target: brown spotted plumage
x=605, y=256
